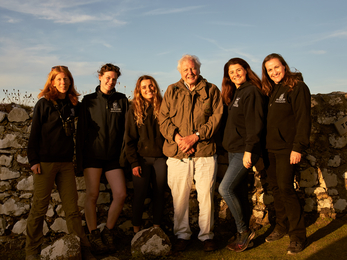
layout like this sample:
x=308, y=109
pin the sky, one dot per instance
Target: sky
x=150, y=36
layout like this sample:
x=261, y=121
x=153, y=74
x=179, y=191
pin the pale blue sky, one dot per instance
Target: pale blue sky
x=150, y=36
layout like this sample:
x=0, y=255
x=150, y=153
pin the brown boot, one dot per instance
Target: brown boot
x=97, y=246
x=108, y=239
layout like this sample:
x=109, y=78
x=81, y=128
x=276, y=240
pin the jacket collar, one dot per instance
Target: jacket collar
x=245, y=85
x=199, y=88
x=103, y=94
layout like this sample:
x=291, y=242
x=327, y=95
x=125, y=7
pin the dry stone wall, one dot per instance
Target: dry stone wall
x=321, y=179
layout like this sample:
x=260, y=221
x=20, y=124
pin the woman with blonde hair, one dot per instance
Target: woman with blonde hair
x=50, y=153
x=143, y=146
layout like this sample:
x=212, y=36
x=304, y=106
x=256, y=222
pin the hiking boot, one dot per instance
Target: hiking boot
x=86, y=254
x=296, y=247
x=181, y=245
x=275, y=235
x=107, y=237
x=242, y=241
x=209, y=245
x=97, y=246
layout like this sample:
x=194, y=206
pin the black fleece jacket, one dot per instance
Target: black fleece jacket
x=48, y=141
x=289, y=119
x=143, y=141
x=101, y=126
x=246, y=120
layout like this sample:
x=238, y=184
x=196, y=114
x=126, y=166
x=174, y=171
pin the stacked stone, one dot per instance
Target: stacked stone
x=321, y=176
x=324, y=180
x=16, y=181
x=321, y=179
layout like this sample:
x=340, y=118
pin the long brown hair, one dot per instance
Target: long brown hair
x=140, y=104
x=228, y=87
x=50, y=92
x=290, y=78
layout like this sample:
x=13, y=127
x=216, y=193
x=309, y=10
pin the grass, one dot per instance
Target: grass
x=18, y=98
x=327, y=240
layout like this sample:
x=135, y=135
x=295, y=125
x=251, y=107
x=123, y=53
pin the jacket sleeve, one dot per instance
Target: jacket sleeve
x=35, y=135
x=131, y=136
x=254, y=120
x=301, y=105
x=82, y=127
x=167, y=128
x=208, y=129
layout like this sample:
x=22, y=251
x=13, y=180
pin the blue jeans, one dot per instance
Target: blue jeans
x=236, y=175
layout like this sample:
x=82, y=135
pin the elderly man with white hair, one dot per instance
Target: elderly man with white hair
x=189, y=117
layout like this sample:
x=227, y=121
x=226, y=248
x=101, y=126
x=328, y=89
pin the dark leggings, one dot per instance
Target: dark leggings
x=287, y=205
x=154, y=171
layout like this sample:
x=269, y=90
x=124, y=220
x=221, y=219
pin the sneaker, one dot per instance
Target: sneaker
x=86, y=254
x=181, y=245
x=97, y=246
x=107, y=237
x=242, y=241
x=275, y=235
x=232, y=240
x=296, y=247
x=209, y=245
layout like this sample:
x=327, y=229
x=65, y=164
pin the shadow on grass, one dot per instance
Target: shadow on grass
x=310, y=219
x=328, y=229
x=336, y=249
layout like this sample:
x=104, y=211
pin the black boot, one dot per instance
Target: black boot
x=108, y=239
x=97, y=246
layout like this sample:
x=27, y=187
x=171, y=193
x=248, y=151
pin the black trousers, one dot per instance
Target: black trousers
x=289, y=212
x=154, y=174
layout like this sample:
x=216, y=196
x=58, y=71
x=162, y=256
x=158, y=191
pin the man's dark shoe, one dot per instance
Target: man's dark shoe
x=181, y=245
x=97, y=246
x=296, y=247
x=242, y=241
x=275, y=235
x=209, y=245
x=108, y=239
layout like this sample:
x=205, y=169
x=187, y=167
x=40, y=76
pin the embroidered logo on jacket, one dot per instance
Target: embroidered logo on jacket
x=236, y=103
x=72, y=112
x=116, y=108
x=281, y=99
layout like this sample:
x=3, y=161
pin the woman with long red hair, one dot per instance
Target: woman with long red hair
x=50, y=154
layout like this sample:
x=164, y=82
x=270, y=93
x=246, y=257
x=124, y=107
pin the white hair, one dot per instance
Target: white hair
x=193, y=58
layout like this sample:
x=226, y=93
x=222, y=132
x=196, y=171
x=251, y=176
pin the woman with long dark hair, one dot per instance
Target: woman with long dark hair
x=242, y=92
x=100, y=136
x=143, y=146
x=288, y=135
x=50, y=154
